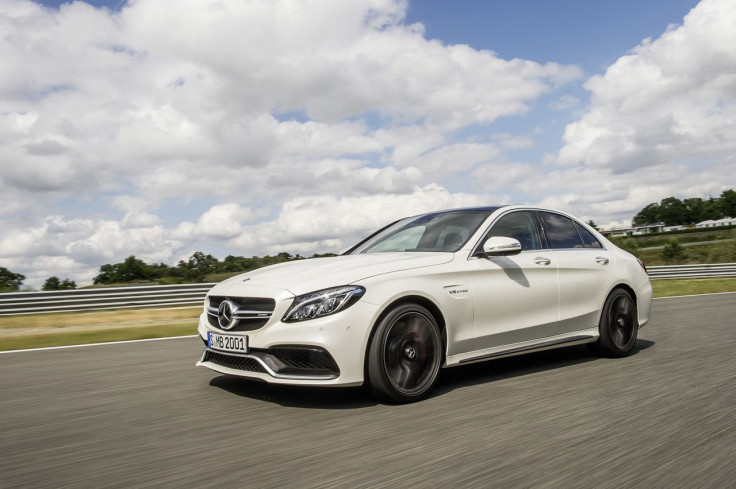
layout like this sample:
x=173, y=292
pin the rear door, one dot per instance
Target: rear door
x=584, y=268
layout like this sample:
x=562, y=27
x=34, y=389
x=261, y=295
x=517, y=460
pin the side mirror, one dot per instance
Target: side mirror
x=501, y=246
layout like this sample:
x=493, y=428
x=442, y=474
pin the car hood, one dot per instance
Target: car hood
x=302, y=276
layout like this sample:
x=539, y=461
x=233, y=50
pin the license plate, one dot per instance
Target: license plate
x=238, y=344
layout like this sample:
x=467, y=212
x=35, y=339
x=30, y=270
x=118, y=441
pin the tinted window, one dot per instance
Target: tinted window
x=589, y=240
x=560, y=231
x=521, y=227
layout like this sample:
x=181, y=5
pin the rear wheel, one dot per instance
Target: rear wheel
x=405, y=354
x=619, y=325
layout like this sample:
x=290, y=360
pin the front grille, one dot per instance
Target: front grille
x=250, y=303
x=260, y=308
x=230, y=361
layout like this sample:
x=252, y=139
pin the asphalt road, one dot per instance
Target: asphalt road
x=141, y=415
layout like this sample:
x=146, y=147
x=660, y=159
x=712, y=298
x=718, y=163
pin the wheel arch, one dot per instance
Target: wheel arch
x=621, y=285
x=419, y=300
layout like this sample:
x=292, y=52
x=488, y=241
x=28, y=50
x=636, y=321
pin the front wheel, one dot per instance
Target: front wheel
x=619, y=325
x=405, y=354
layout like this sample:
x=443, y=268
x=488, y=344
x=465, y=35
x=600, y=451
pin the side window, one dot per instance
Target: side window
x=560, y=231
x=520, y=226
x=589, y=240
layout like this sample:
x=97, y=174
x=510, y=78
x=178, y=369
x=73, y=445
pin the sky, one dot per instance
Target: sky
x=157, y=128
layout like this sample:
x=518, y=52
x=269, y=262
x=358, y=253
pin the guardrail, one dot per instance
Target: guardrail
x=192, y=295
x=693, y=271
x=186, y=295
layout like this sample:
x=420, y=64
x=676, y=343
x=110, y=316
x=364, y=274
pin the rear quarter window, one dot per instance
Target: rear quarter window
x=589, y=241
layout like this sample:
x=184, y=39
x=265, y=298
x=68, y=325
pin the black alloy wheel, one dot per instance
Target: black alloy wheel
x=405, y=355
x=619, y=325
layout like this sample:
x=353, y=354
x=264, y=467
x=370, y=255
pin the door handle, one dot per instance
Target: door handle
x=601, y=260
x=540, y=260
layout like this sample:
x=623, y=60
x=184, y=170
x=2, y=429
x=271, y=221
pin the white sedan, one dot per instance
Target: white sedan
x=436, y=290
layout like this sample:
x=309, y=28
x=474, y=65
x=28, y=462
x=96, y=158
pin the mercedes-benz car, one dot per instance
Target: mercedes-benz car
x=424, y=293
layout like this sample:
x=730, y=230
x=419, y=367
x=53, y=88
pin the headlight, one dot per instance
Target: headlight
x=323, y=303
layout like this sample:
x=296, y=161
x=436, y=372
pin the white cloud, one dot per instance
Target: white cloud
x=301, y=126
x=335, y=223
x=77, y=247
x=156, y=98
x=668, y=100
x=138, y=220
x=222, y=221
x=661, y=122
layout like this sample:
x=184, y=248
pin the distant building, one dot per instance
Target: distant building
x=726, y=221
x=667, y=229
x=656, y=227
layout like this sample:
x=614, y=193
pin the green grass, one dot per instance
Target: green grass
x=41, y=340
x=43, y=330
x=701, y=254
x=675, y=287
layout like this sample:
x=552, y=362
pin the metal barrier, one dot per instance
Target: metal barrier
x=192, y=295
x=107, y=298
x=693, y=271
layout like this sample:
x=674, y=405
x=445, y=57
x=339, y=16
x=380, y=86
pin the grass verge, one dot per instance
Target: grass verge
x=43, y=330
x=41, y=340
x=692, y=286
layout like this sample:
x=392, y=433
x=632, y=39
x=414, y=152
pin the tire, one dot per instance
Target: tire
x=619, y=325
x=405, y=355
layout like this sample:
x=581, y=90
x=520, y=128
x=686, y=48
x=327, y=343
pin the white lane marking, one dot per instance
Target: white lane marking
x=691, y=295
x=98, y=344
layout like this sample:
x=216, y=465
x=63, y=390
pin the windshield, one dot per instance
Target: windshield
x=441, y=231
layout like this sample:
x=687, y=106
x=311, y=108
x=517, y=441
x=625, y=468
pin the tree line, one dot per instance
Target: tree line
x=195, y=269
x=133, y=269
x=674, y=212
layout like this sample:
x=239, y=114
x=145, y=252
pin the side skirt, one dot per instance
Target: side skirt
x=578, y=338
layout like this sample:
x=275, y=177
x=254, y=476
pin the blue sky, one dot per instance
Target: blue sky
x=590, y=34
x=161, y=128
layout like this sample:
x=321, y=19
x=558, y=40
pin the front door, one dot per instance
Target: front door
x=516, y=298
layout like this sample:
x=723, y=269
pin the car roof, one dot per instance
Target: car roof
x=488, y=209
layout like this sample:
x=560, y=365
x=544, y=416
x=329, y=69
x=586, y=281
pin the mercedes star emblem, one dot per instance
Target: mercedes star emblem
x=226, y=314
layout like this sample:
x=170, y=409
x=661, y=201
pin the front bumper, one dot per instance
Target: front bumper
x=290, y=363
x=324, y=351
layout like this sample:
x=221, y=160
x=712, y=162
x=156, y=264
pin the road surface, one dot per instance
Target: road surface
x=141, y=415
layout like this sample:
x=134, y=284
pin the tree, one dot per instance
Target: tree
x=9, y=281
x=130, y=269
x=728, y=203
x=53, y=283
x=592, y=224
x=672, y=211
x=647, y=215
x=202, y=263
x=695, y=209
x=712, y=209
